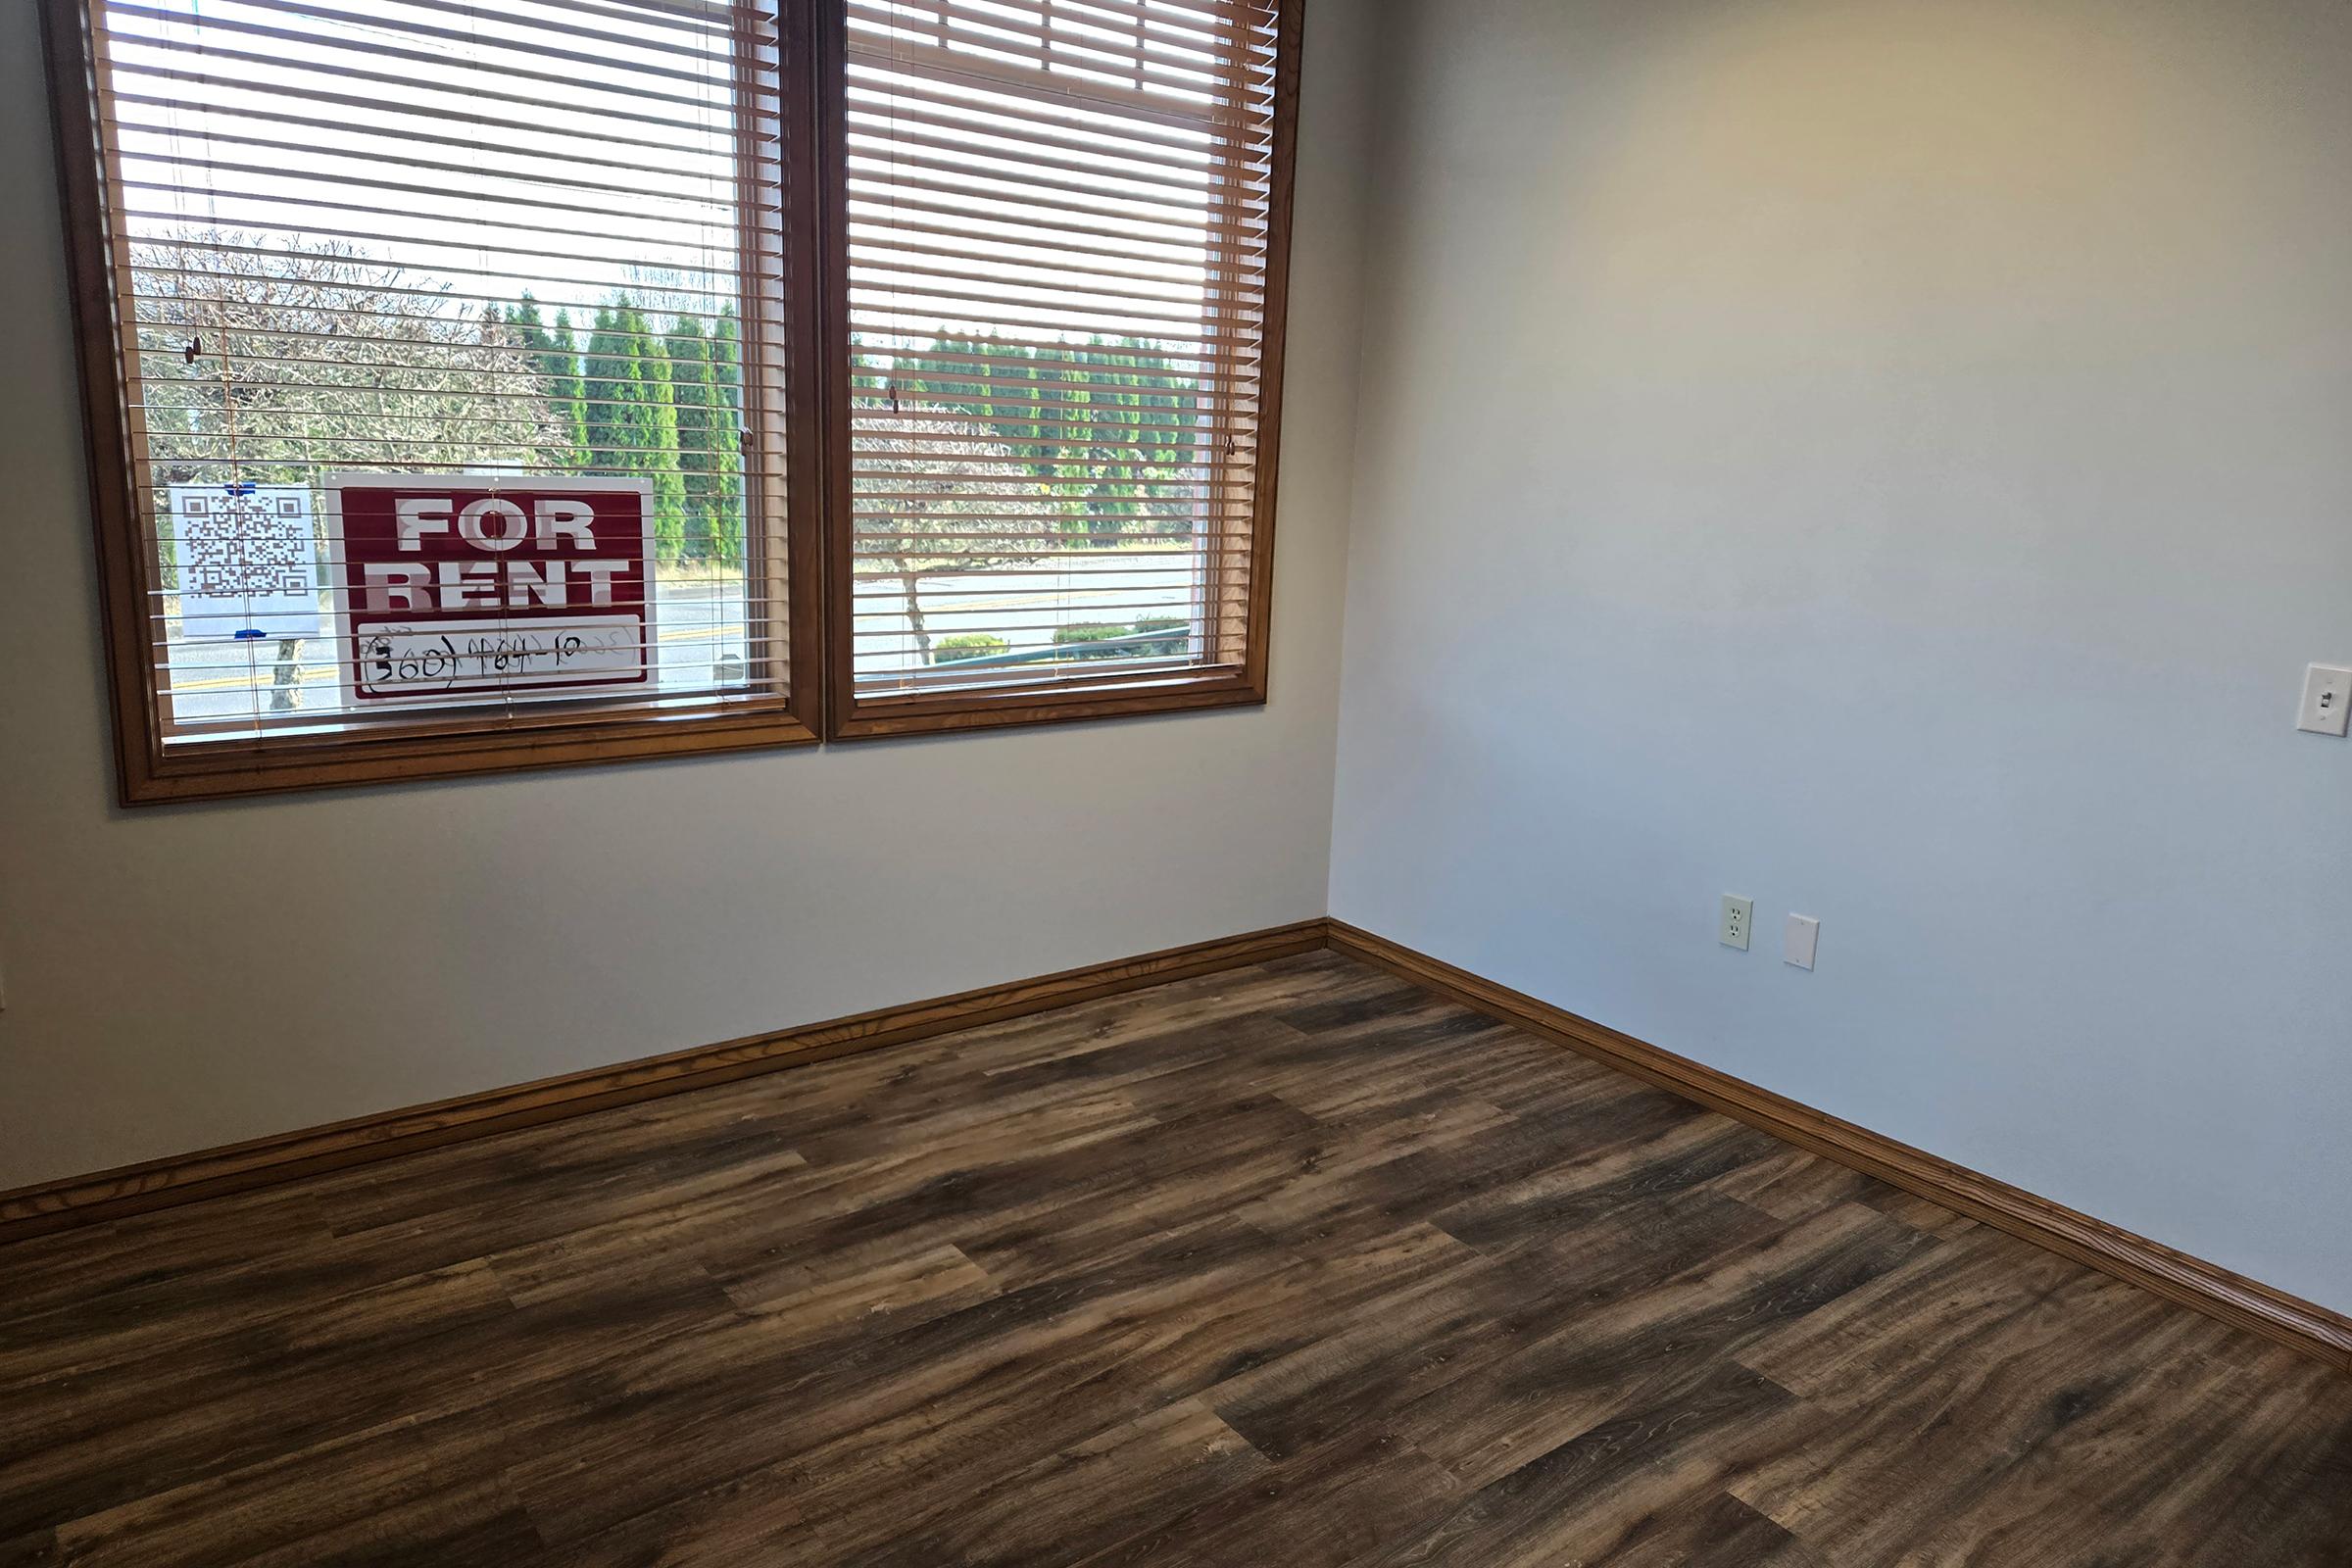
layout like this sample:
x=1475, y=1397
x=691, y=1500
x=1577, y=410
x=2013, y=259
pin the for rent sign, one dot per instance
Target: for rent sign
x=459, y=585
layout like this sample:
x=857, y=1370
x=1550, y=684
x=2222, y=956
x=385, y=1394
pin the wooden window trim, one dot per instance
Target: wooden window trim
x=851, y=715
x=147, y=771
x=821, y=700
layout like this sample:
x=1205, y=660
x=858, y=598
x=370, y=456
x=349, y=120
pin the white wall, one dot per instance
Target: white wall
x=180, y=977
x=1891, y=459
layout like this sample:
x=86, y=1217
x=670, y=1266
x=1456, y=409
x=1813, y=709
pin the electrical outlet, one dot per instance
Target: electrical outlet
x=1737, y=915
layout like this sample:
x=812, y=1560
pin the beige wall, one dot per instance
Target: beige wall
x=1891, y=460
x=179, y=977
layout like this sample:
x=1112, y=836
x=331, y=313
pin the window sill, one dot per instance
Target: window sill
x=219, y=769
x=876, y=718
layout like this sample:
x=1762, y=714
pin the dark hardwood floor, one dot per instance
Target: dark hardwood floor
x=1295, y=1265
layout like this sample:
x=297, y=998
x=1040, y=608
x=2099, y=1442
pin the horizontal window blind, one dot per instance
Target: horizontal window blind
x=1058, y=242
x=503, y=266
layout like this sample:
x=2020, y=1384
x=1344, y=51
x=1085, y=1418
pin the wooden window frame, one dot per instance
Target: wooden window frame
x=819, y=700
x=454, y=744
x=851, y=715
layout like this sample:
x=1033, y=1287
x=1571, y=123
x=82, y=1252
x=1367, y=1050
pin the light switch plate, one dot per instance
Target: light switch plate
x=1800, y=940
x=2327, y=700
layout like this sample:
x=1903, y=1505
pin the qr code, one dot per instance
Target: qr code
x=249, y=546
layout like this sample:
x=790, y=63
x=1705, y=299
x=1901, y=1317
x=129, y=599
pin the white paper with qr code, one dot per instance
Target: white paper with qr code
x=248, y=560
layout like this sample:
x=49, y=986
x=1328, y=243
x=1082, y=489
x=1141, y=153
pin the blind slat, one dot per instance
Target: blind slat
x=173, y=82
x=363, y=36
x=1011, y=201
x=978, y=170
x=1074, y=283
x=389, y=131
x=421, y=251
x=717, y=194
x=881, y=198
x=928, y=109
x=208, y=186
x=403, y=81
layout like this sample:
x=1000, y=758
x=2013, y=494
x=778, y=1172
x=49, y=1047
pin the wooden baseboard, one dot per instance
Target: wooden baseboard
x=208, y=1173
x=2208, y=1288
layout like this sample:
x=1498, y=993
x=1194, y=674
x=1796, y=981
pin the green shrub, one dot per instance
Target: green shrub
x=968, y=645
x=1180, y=634
x=1074, y=639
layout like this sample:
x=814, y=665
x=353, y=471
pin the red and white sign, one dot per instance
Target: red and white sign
x=457, y=585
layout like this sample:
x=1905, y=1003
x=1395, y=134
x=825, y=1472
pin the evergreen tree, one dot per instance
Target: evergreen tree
x=726, y=380
x=1132, y=462
x=726, y=353
x=554, y=359
x=1108, y=428
x=689, y=382
x=631, y=425
x=652, y=423
x=709, y=450
x=561, y=367
x=604, y=379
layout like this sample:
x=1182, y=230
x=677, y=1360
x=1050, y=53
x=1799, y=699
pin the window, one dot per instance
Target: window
x=1066, y=235
x=439, y=382
x=475, y=384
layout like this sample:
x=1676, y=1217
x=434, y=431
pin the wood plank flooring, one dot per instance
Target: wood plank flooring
x=1294, y=1265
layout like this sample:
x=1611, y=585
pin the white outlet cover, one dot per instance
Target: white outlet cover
x=2327, y=700
x=1736, y=922
x=1800, y=939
